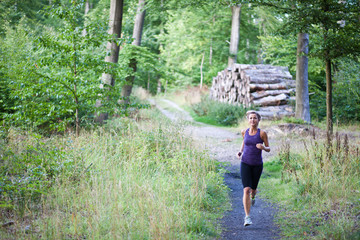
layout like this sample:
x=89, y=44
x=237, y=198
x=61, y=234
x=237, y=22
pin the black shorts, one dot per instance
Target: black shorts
x=250, y=175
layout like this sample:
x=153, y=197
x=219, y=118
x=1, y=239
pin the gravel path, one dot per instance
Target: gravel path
x=223, y=145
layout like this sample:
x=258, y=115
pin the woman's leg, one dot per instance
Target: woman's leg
x=253, y=193
x=246, y=200
x=246, y=179
x=255, y=178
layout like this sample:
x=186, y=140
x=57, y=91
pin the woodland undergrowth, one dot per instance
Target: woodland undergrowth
x=126, y=180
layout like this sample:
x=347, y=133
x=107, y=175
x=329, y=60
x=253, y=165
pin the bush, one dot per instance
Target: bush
x=29, y=167
x=222, y=113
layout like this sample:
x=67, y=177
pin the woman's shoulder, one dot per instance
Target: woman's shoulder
x=243, y=131
x=262, y=133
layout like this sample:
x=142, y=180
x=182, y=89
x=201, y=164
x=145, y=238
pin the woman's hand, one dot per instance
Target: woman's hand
x=239, y=154
x=260, y=146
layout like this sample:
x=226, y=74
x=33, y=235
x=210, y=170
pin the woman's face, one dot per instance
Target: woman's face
x=253, y=120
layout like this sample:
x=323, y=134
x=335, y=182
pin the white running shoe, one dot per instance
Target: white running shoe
x=247, y=221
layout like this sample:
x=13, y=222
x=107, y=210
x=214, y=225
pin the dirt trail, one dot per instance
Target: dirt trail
x=223, y=145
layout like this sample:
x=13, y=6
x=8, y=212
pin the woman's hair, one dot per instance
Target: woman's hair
x=253, y=112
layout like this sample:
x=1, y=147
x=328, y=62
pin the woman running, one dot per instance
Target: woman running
x=255, y=140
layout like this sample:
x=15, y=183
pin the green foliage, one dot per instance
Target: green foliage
x=347, y=91
x=147, y=61
x=12, y=11
x=188, y=35
x=56, y=75
x=29, y=167
x=5, y=102
x=222, y=113
x=293, y=120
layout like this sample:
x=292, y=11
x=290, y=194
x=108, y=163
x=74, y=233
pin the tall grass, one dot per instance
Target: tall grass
x=322, y=193
x=141, y=180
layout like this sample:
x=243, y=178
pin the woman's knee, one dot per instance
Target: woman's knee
x=247, y=190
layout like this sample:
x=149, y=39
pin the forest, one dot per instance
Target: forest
x=71, y=77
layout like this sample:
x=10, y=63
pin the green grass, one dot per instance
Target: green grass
x=206, y=120
x=316, y=191
x=137, y=180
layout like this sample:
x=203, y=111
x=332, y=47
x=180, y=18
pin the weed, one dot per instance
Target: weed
x=324, y=188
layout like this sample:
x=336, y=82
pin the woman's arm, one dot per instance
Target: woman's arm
x=264, y=137
x=242, y=145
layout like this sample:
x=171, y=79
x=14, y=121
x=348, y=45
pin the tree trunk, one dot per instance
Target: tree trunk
x=302, y=110
x=329, y=123
x=235, y=34
x=87, y=9
x=148, y=82
x=201, y=70
x=158, y=90
x=137, y=33
x=116, y=11
x=139, y=23
x=115, y=22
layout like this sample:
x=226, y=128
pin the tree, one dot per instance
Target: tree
x=235, y=34
x=302, y=110
x=54, y=77
x=137, y=33
x=115, y=23
x=11, y=11
x=336, y=21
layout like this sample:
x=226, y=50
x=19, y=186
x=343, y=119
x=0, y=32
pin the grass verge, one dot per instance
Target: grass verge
x=134, y=180
x=317, y=191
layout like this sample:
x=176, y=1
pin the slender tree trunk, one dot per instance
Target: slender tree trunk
x=115, y=22
x=148, y=82
x=329, y=122
x=235, y=34
x=87, y=9
x=201, y=70
x=158, y=87
x=137, y=33
x=77, y=119
x=210, y=53
x=302, y=89
x=211, y=44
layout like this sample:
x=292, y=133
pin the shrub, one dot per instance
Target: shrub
x=29, y=167
x=222, y=113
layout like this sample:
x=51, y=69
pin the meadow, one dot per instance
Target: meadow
x=126, y=180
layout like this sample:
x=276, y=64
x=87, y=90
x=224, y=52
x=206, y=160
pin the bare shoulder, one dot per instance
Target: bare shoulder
x=243, y=132
x=263, y=133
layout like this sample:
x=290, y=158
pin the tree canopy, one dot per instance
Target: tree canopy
x=41, y=45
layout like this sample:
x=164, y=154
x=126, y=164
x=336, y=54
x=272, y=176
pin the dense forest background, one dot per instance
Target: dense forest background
x=52, y=56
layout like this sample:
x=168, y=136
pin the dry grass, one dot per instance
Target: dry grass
x=189, y=96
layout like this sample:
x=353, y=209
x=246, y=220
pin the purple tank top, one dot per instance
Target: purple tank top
x=251, y=154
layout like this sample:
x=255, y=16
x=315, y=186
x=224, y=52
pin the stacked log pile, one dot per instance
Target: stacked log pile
x=267, y=87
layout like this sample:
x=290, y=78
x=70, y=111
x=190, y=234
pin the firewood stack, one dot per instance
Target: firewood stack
x=264, y=86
